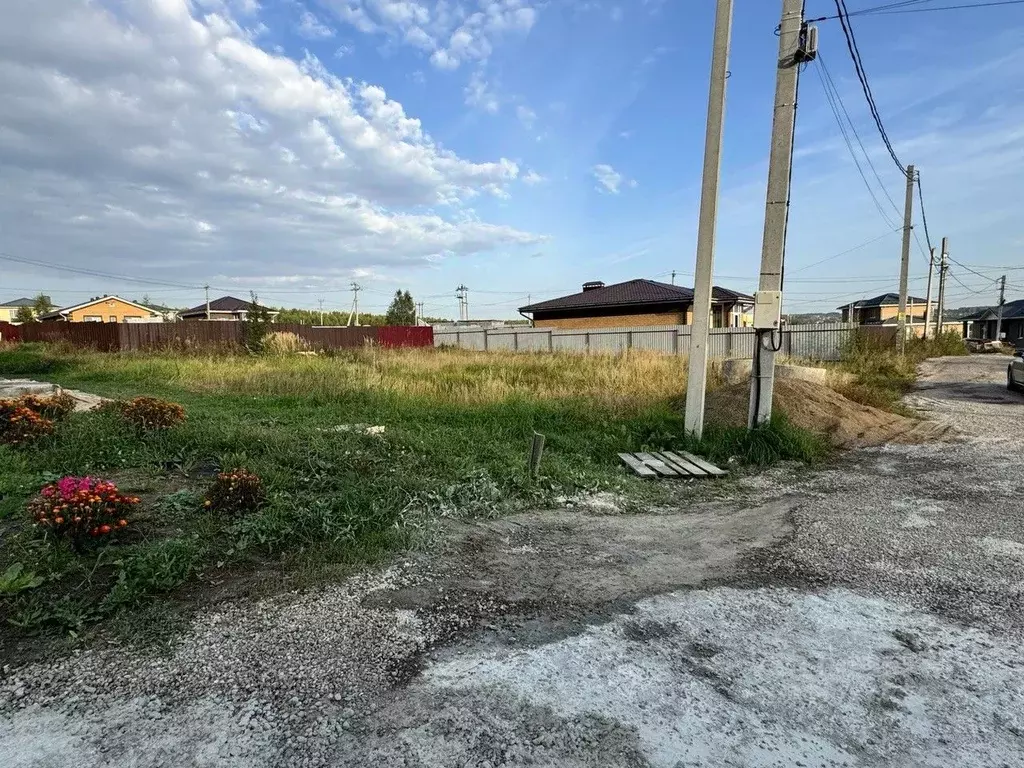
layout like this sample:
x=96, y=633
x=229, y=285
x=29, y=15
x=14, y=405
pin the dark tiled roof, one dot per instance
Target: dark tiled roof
x=223, y=304
x=22, y=302
x=885, y=300
x=630, y=293
x=1013, y=309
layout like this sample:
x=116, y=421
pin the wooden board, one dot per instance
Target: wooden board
x=671, y=464
x=637, y=466
x=707, y=466
x=676, y=461
x=657, y=465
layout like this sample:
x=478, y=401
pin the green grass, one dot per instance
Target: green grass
x=458, y=430
x=883, y=377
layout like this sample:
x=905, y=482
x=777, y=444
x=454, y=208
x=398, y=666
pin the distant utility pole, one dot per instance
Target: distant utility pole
x=354, y=313
x=207, y=289
x=1002, y=300
x=705, y=152
x=797, y=44
x=419, y=313
x=321, y=301
x=943, y=269
x=700, y=330
x=908, y=225
x=928, y=296
x=462, y=294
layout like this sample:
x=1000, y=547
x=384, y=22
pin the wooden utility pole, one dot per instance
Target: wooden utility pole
x=795, y=47
x=928, y=296
x=207, y=289
x=999, y=316
x=696, y=382
x=908, y=225
x=943, y=269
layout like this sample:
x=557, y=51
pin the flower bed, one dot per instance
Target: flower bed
x=82, y=508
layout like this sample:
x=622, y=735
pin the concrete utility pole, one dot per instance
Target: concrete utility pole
x=321, y=302
x=908, y=225
x=207, y=289
x=462, y=294
x=796, y=45
x=696, y=382
x=943, y=269
x=705, y=152
x=354, y=313
x=928, y=296
x=999, y=316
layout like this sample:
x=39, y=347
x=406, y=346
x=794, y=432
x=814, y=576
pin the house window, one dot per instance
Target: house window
x=93, y=318
x=113, y=318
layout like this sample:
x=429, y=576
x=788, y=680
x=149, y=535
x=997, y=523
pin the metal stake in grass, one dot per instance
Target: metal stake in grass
x=536, y=451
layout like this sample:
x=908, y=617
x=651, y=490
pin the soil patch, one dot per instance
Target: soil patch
x=826, y=412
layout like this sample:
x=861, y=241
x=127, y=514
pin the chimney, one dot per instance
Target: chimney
x=593, y=285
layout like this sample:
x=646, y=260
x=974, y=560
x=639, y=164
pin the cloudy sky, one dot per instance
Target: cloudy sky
x=520, y=147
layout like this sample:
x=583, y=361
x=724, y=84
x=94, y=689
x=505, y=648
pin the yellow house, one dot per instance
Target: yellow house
x=9, y=309
x=105, y=309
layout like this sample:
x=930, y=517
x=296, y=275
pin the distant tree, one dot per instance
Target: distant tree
x=402, y=310
x=24, y=315
x=256, y=325
x=41, y=304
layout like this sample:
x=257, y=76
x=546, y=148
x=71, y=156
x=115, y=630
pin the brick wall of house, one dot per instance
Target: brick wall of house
x=617, y=321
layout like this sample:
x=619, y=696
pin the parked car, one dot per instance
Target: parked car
x=1015, y=372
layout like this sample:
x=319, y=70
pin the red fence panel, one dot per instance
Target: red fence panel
x=406, y=336
x=9, y=332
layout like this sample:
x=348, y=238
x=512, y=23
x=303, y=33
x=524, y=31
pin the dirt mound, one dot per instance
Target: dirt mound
x=825, y=411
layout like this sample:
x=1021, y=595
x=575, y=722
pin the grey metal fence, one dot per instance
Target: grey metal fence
x=812, y=342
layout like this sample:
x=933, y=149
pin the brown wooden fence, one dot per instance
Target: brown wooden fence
x=9, y=332
x=201, y=334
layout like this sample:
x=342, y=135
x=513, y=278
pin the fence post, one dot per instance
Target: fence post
x=486, y=341
x=675, y=341
x=458, y=338
x=551, y=341
x=586, y=342
x=629, y=340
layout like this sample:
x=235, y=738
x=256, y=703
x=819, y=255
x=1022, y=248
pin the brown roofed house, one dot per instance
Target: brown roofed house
x=636, y=303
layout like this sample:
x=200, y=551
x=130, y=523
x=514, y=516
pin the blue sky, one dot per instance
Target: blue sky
x=518, y=147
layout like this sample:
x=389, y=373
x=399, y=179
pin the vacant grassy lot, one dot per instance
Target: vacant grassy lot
x=457, y=430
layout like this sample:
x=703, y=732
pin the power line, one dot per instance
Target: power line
x=858, y=65
x=882, y=12
x=924, y=218
x=830, y=97
x=856, y=133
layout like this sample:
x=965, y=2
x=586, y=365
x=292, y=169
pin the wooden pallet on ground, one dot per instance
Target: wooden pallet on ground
x=671, y=464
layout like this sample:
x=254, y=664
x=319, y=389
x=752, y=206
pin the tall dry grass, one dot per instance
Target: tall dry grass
x=441, y=375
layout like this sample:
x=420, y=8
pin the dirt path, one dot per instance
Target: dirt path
x=869, y=615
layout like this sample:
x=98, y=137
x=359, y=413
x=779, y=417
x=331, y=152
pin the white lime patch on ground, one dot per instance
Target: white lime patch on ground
x=1002, y=547
x=775, y=677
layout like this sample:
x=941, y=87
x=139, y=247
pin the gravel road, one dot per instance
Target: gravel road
x=868, y=614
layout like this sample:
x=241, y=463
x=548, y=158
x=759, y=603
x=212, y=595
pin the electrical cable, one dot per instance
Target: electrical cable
x=830, y=99
x=856, y=134
x=924, y=218
x=851, y=44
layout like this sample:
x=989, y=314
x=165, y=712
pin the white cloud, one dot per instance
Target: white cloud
x=480, y=94
x=526, y=116
x=311, y=28
x=533, y=178
x=146, y=137
x=609, y=180
x=449, y=32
